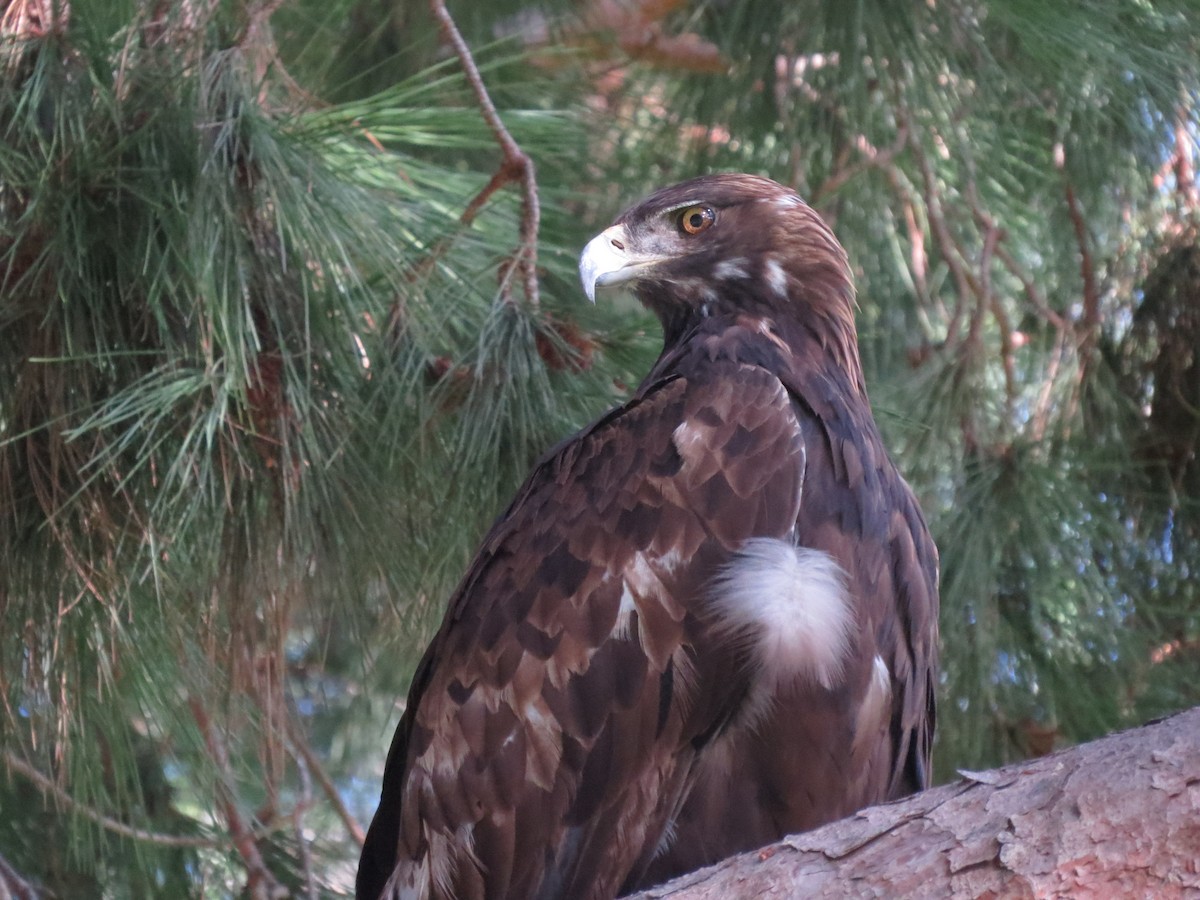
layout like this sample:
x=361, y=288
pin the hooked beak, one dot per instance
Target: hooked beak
x=607, y=261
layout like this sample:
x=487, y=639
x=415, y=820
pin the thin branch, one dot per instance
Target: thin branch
x=515, y=166
x=993, y=236
x=1181, y=161
x=990, y=302
x=317, y=771
x=1007, y=346
x=964, y=279
x=260, y=883
x=872, y=158
x=305, y=802
x=1032, y=293
x=1090, y=323
x=918, y=255
x=984, y=283
x=47, y=786
x=13, y=885
x=1041, y=409
x=258, y=43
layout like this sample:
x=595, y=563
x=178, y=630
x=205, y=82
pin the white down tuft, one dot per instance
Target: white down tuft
x=793, y=604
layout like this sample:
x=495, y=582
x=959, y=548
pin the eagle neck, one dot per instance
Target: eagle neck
x=679, y=323
x=811, y=351
x=823, y=348
x=821, y=335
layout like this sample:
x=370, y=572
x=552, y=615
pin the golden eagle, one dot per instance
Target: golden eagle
x=707, y=620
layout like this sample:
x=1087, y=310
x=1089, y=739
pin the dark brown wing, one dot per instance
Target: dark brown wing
x=552, y=723
x=819, y=754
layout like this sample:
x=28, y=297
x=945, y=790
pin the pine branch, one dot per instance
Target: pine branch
x=965, y=281
x=47, y=786
x=1090, y=323
x=871, y=157
x=515, y=166
x=261, y=884
x=13, y=886
x=305, y=851
x=312, y=767
x=1181, y=161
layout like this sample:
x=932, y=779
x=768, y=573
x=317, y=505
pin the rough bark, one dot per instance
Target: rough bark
x=1118, y=817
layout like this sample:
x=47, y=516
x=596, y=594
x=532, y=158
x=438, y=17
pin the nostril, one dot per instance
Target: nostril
x=618, y=244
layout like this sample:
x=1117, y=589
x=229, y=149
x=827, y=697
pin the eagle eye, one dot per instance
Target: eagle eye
x=695, y=219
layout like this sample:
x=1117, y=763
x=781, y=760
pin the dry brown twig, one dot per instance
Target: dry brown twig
x=516, y=166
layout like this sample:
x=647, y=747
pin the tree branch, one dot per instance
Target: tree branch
x=515, y=166
x=302, y=843
x=965, y=281
x=1185, y=170
x=1032, y=293
x=918, y=257
x=260, y=883
x=1119, y=817
x=871, y=157
x=46, y=785
x=13, y=886
x=1090, y=323
x=311, y=765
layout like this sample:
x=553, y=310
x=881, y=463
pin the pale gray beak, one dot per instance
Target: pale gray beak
x=606, y=261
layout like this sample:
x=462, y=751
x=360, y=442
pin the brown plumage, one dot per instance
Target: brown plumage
x=707, y=620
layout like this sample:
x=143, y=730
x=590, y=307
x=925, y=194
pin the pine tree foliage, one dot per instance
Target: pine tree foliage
x=261, y=387
x=251, y=360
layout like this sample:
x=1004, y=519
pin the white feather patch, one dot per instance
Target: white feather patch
x=882, y=678
x=409, y=882
x=691, y=439
x=665, y=840
x=624, y=613
x=776, y=277
x=794, y=604
x=879, y=694
x=872, y=720
x=731, y=268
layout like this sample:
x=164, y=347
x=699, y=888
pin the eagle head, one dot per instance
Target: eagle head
x=729, y=243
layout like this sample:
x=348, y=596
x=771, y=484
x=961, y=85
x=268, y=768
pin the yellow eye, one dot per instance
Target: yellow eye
x=695, y=219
